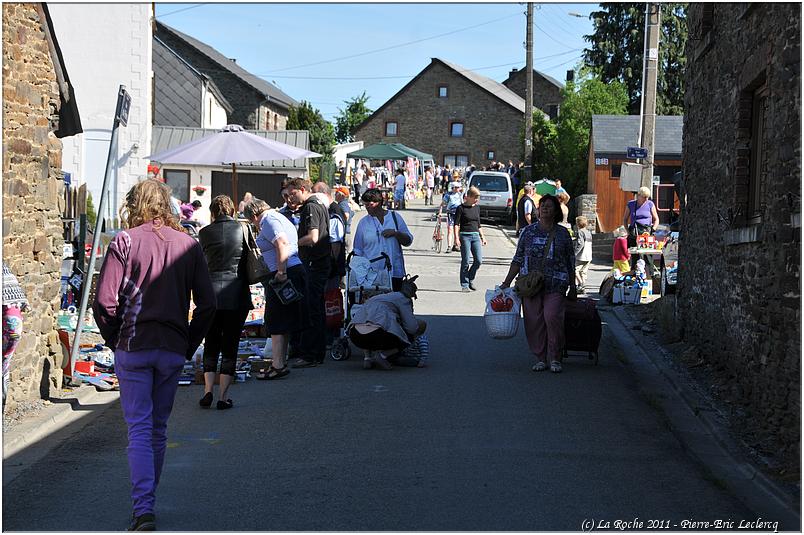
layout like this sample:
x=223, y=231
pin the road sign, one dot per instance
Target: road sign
x=636, y=152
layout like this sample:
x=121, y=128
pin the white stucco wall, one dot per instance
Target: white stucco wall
x=105, y=46
x=214, y=114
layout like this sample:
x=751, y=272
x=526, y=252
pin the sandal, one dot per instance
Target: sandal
x=539, y=367
x=277, y=373
x=555, y=366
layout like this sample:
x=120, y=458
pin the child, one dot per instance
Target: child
x=621, y=255
x=583, y=253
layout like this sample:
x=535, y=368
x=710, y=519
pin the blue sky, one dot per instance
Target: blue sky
x=279, y=42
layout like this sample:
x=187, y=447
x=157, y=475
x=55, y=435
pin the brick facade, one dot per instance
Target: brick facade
x=739, y=284
x=424, y=119
x=546, y=94
x=32, y=193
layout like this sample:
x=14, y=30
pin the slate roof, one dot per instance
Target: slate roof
x=167, y=137
x=611, y=134
x=267, y=89
x=492, y=86
x=549, y=79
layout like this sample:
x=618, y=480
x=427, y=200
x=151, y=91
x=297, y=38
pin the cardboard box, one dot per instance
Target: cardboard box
x=259, y=365
x=632, y=295
x=647, y=289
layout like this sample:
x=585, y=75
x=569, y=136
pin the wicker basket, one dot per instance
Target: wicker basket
x=502, y=325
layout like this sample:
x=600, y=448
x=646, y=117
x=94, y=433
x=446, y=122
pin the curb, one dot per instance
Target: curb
x=697, y=429
x=57, y=415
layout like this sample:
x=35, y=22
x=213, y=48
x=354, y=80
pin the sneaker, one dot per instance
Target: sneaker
x=555, y=367
x=539, y=366
x=380, y=360
x=144, y=522
x=465, y=289
x=455, y=248
x=472, y=286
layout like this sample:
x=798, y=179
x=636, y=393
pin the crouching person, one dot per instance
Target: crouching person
x=384, y=325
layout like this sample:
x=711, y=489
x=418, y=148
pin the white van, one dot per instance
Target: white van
x=496, y=195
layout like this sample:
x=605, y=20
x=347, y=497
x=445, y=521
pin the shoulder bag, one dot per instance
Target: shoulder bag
x=256, y=270
x=532, y=284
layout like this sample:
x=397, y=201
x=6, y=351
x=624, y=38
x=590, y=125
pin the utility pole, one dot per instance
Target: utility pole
x=653, y=15
x=529, y=93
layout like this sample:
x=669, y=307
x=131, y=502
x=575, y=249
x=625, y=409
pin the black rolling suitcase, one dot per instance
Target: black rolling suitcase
x=582, y=327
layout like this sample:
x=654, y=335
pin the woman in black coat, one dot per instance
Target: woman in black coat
x=223, y=243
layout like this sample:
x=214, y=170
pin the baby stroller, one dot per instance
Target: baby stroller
x=364, y=279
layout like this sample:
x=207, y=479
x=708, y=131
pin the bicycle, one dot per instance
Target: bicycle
x=437, y=235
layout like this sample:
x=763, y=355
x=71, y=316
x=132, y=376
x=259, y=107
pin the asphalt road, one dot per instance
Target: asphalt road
x=476, y=441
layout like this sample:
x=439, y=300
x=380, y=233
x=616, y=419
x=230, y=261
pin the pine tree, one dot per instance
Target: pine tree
x=616, y=52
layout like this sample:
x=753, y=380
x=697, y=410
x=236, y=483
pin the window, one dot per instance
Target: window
x=489, y=182
x=615, y=171
x=456, y=160
x=179, y=182
x=456, y=129
x=490, y=155
x=391, y=129
x=758, y=159
x=443, y=91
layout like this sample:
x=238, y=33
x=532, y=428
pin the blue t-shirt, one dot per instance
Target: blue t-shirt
x=344, y=204
x=273, y=225
x=453, y=200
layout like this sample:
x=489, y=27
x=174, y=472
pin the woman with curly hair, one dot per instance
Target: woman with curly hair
x=150, y=272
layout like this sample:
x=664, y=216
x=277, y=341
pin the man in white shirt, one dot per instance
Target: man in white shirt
x=399, y=189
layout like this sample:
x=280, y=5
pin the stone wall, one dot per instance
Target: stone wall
x=739, y=286
x=424, y=119
x=545, y=92
x=31, y=197
x=586, y=205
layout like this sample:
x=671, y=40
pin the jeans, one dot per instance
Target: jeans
x=313, y=342
x=148, y=383
x=470, y=241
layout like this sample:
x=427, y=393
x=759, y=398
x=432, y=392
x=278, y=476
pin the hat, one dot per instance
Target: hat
x=454, y=185
x=343, y=190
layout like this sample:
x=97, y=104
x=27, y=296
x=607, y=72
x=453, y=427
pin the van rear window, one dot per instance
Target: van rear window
x=489, y=183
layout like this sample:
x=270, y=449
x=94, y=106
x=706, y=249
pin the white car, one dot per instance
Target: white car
x=496, y=195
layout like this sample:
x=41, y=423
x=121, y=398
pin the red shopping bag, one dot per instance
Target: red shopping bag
x=333, y=305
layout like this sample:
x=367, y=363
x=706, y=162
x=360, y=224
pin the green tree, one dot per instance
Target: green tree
x=545, y=139
x=616, y=52
x=92, y=216
x=351, y=117
x=591, y=96
x=322, y=133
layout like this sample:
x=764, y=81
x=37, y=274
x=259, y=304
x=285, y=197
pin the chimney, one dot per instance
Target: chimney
x=233, y=60
x=570, y=76
x=513, y=72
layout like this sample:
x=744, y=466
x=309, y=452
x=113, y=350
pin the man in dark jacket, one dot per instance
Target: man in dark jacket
x=525, y=209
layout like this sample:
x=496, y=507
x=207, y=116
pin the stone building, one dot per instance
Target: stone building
x=739, y=286
x=38, y=108
x=546, y=90
x=456, y=115
x=256, y=104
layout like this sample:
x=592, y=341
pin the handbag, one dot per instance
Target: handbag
x=285, y=291
x=532, y=284
x=256, y=270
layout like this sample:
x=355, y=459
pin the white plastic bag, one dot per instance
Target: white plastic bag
x=507, y=293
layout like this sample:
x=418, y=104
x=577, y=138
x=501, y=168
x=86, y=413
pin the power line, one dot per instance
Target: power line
x=400, y=45
x=267, y=76
x=179, y=10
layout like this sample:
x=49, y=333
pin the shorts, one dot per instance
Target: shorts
x=450, y=219
x=285, y=319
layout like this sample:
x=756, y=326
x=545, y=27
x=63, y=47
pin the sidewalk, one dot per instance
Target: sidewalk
x=689, y=415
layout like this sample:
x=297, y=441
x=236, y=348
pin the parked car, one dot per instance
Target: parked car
x=496, y=195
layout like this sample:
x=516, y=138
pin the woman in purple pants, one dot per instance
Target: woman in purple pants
x=141, y=308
